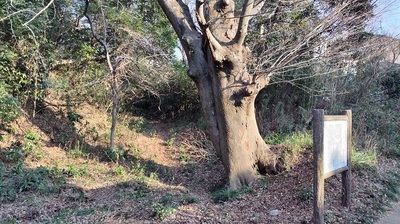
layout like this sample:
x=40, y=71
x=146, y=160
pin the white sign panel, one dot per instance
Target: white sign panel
x=335, y=145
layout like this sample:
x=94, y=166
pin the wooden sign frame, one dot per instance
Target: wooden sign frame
x=319, y=120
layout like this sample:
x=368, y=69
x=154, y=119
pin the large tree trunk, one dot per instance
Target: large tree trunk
x=232, y=122
x=217, y=60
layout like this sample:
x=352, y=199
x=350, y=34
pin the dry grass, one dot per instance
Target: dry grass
x=165, y=172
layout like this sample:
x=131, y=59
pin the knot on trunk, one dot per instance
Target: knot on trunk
x=222, y=5
x=239, y=96
x=225, y=66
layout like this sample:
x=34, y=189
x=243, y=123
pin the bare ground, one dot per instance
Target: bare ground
x=168, y=175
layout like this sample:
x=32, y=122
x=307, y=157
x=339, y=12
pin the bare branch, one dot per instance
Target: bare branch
x=101, y=42
x=17, y=12
x=244, y=22
x=40, y=12
x=331, y=28
x=257, y=8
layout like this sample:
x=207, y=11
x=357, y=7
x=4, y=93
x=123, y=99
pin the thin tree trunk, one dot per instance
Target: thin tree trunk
x=112, y=72
x=114, y=110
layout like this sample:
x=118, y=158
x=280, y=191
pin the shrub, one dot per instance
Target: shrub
x=9, y=106
x=31, y=142
x=116, y=155
x=161, y=212
x=75, y=171
x=14, y=152
x=41, y=180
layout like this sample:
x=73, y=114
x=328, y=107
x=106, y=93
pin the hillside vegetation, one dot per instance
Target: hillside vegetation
x=59, y=99
x=56, y=168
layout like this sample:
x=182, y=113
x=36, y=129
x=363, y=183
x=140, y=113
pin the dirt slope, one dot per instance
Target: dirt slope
x=163, y=172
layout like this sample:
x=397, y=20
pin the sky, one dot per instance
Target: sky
x=387, y=20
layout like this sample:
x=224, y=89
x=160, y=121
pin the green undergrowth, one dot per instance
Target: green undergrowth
x=305, y=194
x=366, y=159
x=225, y=194
x=18, y=150
x=165, y=207
x=292, y=145
x=19, y=180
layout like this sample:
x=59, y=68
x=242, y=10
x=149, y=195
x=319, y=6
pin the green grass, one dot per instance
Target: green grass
x=165, y=207
x=139, y=125
x=298, y=141
x=77, y=153
x=120, y=171
x=170, y=141
x=293, y=144
x=189, y=199
x=223, y=195
x=63, y=215
x=364, y=159
x=305, y=194
x=264, y=182
x=274, y=138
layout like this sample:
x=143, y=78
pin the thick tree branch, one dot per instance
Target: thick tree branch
x=244, y=21
x=178, y=14
x=200, y=13
x=216, y=47
x=249, y=10
x=192, y=40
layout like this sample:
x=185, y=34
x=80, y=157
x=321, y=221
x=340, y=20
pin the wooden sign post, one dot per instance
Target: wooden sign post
x=332, y=142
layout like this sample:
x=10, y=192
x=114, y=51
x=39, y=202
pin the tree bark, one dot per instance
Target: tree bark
x=240, y=145
x=217, y=60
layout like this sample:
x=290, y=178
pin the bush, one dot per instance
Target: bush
x=14, y=152
x=76, y=171
x=116, y=155
x=31, y=142
x=161, y=212
x=40, y=180
x=9, y=106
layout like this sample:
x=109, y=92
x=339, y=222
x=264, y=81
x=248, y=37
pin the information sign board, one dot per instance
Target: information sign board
x=332, y=141
x=335, y=144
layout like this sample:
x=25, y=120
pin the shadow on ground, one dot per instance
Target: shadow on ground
x=137, y=189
